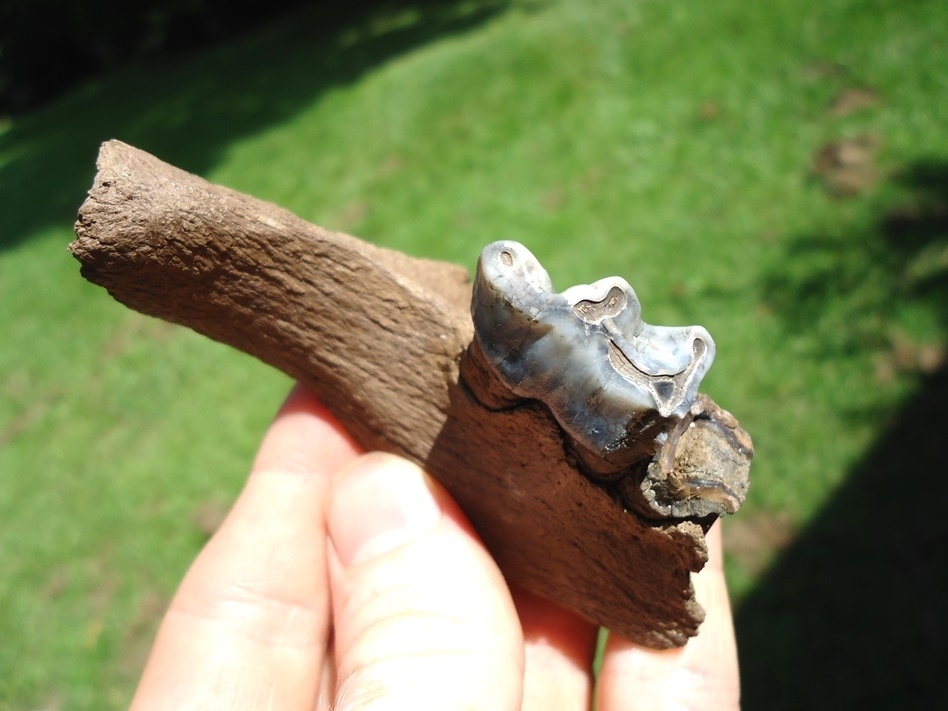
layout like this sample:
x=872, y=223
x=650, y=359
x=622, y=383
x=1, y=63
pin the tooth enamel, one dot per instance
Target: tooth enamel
x=585, y=352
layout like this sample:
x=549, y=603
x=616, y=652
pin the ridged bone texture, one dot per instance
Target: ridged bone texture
x=624, y=391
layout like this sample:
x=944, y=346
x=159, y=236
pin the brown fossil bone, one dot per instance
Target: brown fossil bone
x=384, y=338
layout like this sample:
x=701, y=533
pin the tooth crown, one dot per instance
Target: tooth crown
x=605, y=374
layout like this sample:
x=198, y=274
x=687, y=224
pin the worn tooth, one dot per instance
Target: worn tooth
x=702, y=468
x=625, y=392
x=585, y=352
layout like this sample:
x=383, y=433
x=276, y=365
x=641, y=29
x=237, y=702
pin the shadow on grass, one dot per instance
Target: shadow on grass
x=187, y=110
x=854, y=614
x=849, y=286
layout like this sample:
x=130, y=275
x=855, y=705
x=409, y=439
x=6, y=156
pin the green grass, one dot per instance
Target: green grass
x=670, y=143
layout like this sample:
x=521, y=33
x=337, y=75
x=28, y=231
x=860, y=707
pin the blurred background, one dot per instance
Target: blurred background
x=777, y=172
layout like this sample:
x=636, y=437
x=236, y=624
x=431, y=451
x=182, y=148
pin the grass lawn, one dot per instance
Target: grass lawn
x=777, y=172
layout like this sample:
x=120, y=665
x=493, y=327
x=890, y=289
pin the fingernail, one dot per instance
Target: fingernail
x=378, y=503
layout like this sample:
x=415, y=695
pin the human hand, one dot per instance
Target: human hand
x=341, y=581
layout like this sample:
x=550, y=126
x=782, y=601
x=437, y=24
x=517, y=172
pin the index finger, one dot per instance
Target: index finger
x=248, y=628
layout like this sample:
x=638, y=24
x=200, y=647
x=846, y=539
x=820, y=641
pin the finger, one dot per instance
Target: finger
x=701, y=675
x=559, y=648
x=423, y=618
x=248, y=627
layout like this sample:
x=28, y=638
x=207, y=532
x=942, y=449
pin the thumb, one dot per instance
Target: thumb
x=423, y=618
